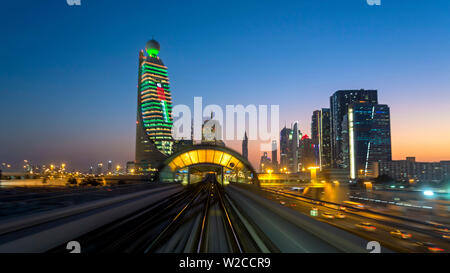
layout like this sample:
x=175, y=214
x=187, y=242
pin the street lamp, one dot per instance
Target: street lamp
x=313, y=170
x=286, y=172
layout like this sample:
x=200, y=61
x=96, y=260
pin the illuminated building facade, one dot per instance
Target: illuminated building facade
x=325, y=139
x=154, y=122
x=307, y=153
x=369, y=138
x=315, y=126
x=289, y=142
x=265, y=164
x=315, y=135
x=339, y=103
x=285, y=136
x=411, y=171
x=295, y=143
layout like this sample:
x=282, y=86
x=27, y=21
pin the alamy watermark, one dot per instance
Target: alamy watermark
x=374, y=2
x=73, y=2
x=188, y=125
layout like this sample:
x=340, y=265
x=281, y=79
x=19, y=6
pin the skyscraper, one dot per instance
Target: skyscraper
x=369, y=137
x=325, y=139
x=212, y=132
x=154, y=110
x=285, y=134
x=265, y=163
x=99, y=169
x=339, y=103
x=307, y=156
x=274, y=154
x=295, y=142
x=245, y=146
x=315, y=126
x=109, y=169
x=289, y=141
x=315, y=135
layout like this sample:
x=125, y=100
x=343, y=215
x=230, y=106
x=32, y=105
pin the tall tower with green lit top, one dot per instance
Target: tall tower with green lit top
x=154, y=122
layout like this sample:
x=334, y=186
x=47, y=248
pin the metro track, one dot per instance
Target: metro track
x=200, y=219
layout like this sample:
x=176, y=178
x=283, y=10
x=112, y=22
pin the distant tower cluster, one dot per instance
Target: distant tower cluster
x=354, y=134
x=349, y=140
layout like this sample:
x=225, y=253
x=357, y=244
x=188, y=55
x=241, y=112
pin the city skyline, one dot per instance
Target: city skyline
x=102, y=107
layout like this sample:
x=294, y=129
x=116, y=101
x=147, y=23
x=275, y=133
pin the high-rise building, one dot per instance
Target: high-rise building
x=265, y=163
x=324, y=139
x=315, y=135
x=369, y=138
x=293, y=167
x=315, y=126
x=285, y=134
x=99, y=169
x=274, y=154
x=212, y=132
x=245, y=146
x=339, y=103
x=109, y=168
x=307, y=154
x=289, y=141
x=154, y=111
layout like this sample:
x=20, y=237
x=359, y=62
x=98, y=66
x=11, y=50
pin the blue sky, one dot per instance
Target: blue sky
x=68, y=74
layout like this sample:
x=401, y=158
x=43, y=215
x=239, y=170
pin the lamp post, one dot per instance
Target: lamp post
x=284, y=170
x=313, y=171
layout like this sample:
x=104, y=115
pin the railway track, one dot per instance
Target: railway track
x=200, y=219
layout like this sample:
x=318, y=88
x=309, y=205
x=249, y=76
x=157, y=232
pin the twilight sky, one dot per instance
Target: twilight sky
x=68, y=74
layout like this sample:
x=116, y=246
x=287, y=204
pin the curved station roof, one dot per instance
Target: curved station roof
x=195, y=155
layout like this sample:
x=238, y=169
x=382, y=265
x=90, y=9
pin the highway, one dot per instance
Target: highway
x=383, y=223
x=200, y=218
x=31, y=200
x=207, y=218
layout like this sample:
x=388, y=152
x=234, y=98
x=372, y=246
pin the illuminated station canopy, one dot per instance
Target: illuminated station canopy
x=233, y=166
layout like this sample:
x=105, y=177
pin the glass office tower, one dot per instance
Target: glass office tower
x=339, y=103
x=325, y=139
x=369, y=132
